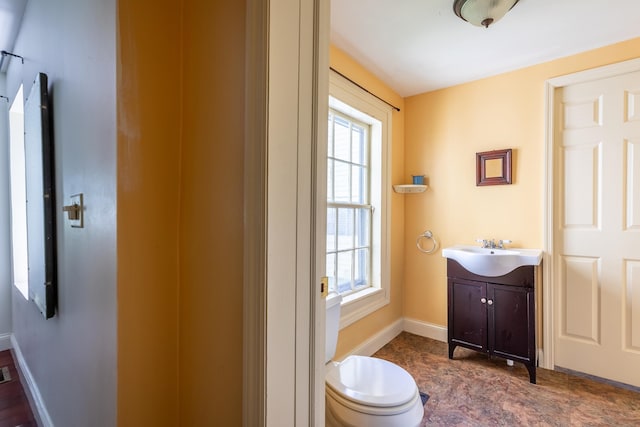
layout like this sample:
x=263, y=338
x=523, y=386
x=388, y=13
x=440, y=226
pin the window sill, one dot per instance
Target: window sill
x=360, y=304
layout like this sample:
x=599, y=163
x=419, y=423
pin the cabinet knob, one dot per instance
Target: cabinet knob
x=483, y=300
x=490, y=302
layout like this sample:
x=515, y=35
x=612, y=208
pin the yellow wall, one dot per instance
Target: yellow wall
x=148, y=212
x=180, y=168
x=444, y=129
x=180, y=73
x=211, y=223
x=355, y=334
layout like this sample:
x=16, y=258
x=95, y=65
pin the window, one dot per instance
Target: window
x=18, y=195
x=348, y=208
x=358, y=155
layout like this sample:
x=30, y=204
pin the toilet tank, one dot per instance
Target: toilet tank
x=333, y=325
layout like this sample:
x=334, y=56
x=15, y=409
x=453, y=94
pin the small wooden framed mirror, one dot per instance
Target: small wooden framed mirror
x=493, y=167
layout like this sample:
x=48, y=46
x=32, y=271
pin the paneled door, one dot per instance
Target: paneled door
x=597, y=228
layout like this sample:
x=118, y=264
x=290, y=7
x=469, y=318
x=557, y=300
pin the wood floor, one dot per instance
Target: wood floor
x=472, y=390
x=14, y=407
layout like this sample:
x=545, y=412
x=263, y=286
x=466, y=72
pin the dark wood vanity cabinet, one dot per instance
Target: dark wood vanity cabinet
x=493, y=315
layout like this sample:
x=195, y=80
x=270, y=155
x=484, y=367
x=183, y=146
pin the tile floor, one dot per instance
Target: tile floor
x=472, y=390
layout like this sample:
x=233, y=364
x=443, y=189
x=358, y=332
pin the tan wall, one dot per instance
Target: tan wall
x=180, y=168
x=148, y=212
x=444, y=129
x=211, y=222
x=355, y=334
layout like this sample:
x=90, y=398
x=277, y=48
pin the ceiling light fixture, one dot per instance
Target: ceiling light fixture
x=482, y=13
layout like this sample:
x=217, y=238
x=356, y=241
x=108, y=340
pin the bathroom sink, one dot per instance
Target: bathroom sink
x=492, y=262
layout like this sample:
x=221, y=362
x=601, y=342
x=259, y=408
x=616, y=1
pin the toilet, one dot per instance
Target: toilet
x=366, y=391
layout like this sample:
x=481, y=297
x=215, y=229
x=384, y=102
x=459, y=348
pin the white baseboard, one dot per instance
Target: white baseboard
x=417, y=327
x=379, y=340
x=33, y=393
x=424, y=329
x=5, y=342
x=541, y=360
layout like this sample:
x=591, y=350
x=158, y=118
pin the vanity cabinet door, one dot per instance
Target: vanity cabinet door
x=511, y=322
x=493, y=315
x=467, y=314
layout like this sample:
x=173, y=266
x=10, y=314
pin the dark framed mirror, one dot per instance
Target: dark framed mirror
x=493, y=167
x=40, y=194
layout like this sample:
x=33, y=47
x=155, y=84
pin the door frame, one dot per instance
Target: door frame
x=286, y=103
x=546, y=356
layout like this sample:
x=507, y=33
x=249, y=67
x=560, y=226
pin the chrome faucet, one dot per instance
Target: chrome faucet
x=491, y=244
x=502, y=243
x=484, y=243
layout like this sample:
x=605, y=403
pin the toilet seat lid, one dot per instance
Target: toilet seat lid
x=371, y=381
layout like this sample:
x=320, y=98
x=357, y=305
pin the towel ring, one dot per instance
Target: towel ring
x=427, y=235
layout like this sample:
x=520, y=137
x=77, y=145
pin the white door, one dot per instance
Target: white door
x=597, y=223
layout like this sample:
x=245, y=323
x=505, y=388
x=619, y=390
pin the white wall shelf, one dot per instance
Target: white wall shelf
x=410, y=188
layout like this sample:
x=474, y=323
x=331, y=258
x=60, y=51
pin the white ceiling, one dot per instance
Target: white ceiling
x=416, y=46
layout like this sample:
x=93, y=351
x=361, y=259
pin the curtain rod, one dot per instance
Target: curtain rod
x=364, y=89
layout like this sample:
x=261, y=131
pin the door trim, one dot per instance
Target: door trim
x=624, y=67
x=321, y=24
x=255, y=229
x=283, y=314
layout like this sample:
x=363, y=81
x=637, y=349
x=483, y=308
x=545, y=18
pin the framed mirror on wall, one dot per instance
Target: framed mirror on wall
x=40, y=196
x=493, y=167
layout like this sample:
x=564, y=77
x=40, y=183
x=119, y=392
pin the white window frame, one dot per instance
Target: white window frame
x=363, y=202
x=351, y=100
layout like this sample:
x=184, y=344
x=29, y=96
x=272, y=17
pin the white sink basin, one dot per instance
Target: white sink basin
x=492, y=262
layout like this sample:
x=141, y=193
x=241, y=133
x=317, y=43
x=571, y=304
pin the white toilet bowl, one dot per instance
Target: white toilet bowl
x=365, y=391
